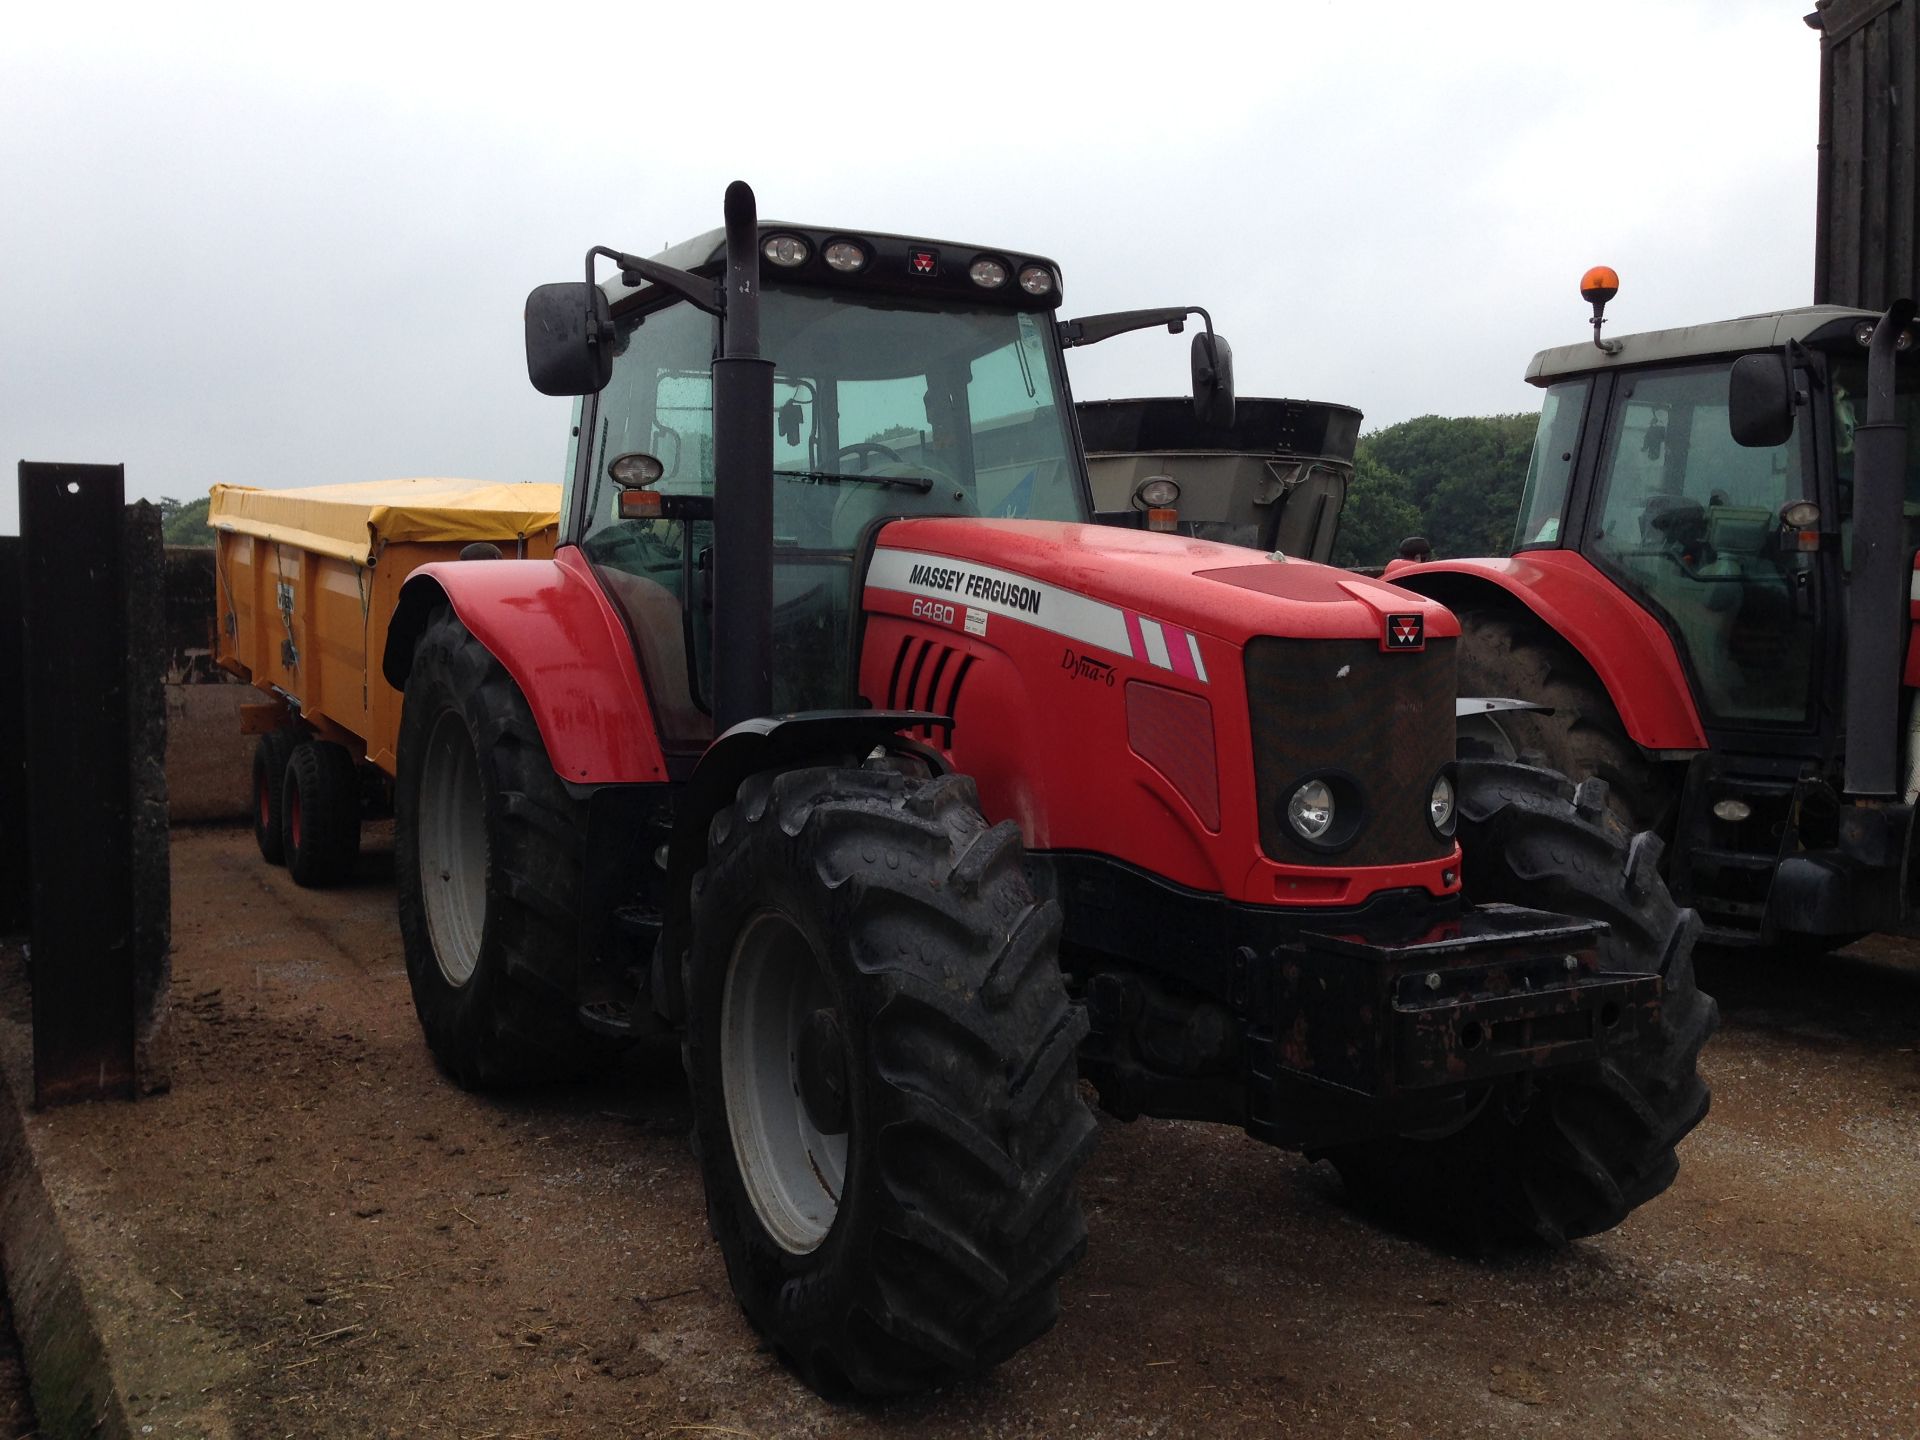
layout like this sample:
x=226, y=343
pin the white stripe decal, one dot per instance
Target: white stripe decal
x=1913, y=586
x=1004, y=592
x=1199, y=665
x=1156, y=639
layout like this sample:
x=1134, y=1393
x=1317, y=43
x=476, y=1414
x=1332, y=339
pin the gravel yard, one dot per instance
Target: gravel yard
x=317, y=1235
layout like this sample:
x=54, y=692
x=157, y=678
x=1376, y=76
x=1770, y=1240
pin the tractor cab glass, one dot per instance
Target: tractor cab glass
x=882, y=408
x=1691, y=522
x=1543, y=503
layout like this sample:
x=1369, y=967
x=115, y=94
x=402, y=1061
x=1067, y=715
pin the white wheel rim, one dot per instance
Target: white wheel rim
x=453, y=849
x=794, y=1172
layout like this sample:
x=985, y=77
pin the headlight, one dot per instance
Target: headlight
x=988, y=274
x=844, y=256
x=1036, y=280
x=784, y=250
x=1156, y=492
x=1310, y=810
x=1440, y=805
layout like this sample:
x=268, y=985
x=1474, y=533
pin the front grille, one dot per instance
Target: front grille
x=1383, y=719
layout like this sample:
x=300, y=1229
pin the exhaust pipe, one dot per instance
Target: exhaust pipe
x=742, y=484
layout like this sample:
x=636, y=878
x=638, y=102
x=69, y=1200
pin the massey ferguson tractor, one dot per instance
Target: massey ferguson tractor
x=836, y=739
x=1713, y=590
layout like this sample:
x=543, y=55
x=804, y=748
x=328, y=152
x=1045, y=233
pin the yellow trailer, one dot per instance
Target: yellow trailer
x=306, y=581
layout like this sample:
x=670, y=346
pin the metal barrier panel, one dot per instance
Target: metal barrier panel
x=13, y=760
x=78, y=781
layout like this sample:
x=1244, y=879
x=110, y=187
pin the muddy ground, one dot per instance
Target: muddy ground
x=341, y=1243
x=16, y=1406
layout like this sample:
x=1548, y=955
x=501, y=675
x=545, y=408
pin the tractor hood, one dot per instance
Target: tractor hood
x=1094, y=583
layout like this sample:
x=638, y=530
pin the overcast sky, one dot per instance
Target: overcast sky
x=289, y=245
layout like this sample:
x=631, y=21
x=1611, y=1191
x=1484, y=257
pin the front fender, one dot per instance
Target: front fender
x=1628, y=649
x=772, y=742
x=552, y=627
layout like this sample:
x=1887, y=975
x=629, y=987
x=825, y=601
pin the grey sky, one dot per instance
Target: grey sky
x=282, y=251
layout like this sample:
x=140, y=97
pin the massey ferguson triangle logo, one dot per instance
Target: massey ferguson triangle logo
x=1405, y=632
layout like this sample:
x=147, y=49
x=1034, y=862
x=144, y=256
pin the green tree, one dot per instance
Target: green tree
x=184, y=522
x=1378, y=515
x=1464, y=475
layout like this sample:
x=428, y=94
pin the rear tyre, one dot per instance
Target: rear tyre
x=1569, y=1152
x=320, y=815
x=1513, y=655
x=270, y=755
x=882, y=1058
x=487, y=853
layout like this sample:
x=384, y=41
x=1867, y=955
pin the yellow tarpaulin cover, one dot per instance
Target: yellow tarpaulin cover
x=348, y=521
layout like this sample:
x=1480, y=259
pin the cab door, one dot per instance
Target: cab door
x=1689, y=522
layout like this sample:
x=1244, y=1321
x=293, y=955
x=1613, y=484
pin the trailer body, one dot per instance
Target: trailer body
x=308, y=579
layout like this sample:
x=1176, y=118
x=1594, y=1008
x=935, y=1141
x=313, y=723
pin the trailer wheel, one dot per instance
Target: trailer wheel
x=1569, y=1153
x=320, y=814
x=270, y=755
x=882, y=1059
x=1513, y=655
x=487, y=854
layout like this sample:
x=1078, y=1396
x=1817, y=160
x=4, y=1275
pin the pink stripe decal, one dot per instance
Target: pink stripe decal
x=1180, y=654
x=1134, y=637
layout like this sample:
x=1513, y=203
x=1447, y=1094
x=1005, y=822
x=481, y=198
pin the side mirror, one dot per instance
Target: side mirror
x=1213, y=380
x=569, y=339
x=1760, y=401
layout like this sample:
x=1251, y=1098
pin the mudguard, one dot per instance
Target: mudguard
x=1628, y=649
x=551, y=626
x=774, y=742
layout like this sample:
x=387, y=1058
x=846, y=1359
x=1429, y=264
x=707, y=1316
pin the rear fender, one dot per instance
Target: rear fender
x=1628, y=649
x=551, y=626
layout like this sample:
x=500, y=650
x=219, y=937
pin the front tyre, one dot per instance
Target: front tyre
x=882, y=1058
x=487, y=853
x=1571, y=1152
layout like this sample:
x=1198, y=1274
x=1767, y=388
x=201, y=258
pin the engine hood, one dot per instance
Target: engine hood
x=1066, y=577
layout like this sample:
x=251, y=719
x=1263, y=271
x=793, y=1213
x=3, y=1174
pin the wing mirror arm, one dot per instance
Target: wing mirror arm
x=1212, y=359
x=1092, y=329
x=570, y=329
x=707, y=295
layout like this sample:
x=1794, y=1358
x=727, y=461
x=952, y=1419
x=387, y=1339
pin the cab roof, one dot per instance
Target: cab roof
x=1723, y=337
x=887, y=267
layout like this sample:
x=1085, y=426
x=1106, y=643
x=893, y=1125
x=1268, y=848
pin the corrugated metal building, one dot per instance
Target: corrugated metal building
x=1867, y=239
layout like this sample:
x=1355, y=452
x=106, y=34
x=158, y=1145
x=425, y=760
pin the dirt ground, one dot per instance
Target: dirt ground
x=16, y=1406
x=348, y=1245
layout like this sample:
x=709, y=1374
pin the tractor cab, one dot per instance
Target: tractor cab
x=1740, y=545
x=912, y=379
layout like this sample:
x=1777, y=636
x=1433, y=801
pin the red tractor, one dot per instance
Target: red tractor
x=835, y=739
x=1712, y=589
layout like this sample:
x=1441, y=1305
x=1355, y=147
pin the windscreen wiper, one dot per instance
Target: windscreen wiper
x=918, y=483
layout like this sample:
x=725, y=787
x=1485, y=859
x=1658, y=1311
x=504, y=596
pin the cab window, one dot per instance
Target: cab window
x=1543, y=501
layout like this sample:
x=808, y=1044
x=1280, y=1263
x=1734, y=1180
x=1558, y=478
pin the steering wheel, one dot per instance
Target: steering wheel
x=864, y=448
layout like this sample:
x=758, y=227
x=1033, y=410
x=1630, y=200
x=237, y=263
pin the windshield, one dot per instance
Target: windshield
x=882, y=408
x=1543, y=502
x=909, y=409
